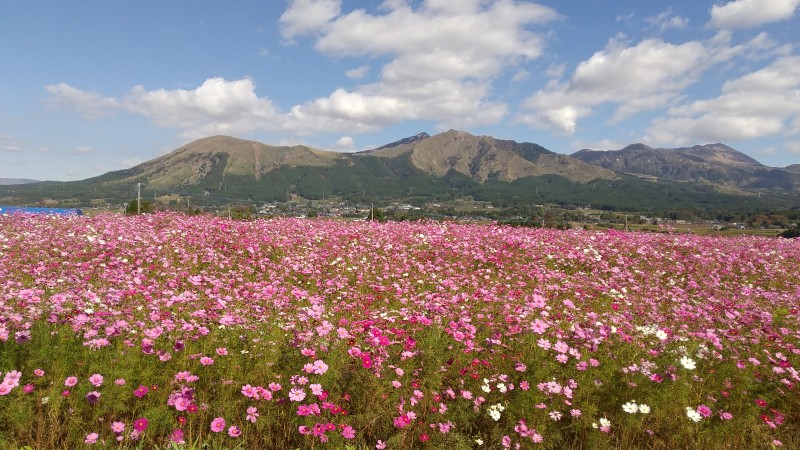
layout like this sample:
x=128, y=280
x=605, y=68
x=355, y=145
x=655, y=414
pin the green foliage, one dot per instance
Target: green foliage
x=791, y=233
x=133, y=207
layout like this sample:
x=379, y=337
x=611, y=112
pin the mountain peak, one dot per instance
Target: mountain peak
x=404, y=141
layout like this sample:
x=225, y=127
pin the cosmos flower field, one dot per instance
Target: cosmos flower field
x=170, y=331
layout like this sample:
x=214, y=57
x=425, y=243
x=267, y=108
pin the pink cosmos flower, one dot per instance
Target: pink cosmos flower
x=38, y=372
x=117, y=427
x=206, y=361
x=5, y=388
x=348, y=432
x=96, y=380
x=234, y=431
x=252, y=414
x=91, y=438
x=297, y=395
x=28, y=388
x=177, y=436
x=218, y=424
x=222, y=351
x=71, y=381
x=120, y=381
x=704, y=411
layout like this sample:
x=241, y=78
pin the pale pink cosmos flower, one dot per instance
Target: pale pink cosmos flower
x=117, y=427
x=71, y=381
x=38, y=372
x=91, y=438
x=297, y=395
x=234, y=431
x=348, y=432
x=96, y=380
x=206, y=361
x=252, y=414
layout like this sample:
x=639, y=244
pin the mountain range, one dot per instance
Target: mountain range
x=453, y=164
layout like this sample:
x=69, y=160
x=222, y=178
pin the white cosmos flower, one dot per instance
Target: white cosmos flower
x=692, y=414
x=688, y=363
x=644, y=409
x=630, y=407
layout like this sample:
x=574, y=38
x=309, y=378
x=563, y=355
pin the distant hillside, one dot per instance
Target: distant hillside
x=713, y=163
x=10, y=181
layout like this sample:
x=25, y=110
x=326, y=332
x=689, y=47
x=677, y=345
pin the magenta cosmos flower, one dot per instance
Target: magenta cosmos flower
x=140, y=424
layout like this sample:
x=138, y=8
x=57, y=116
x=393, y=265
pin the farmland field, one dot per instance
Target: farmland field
x=167, y=331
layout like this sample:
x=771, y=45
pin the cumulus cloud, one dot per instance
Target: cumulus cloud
x=307, y=16
x=358, y=72
x=667, y=21
x=442, y=59
x=345, y=144
x=646, y=76
x=762, y=103
x=636, y=78
x=217, y=106
x=751, y=13
x=601, y=145
x=90, y=104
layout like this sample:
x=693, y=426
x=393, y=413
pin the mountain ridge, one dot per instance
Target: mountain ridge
x=708, y=163
x=450, y=165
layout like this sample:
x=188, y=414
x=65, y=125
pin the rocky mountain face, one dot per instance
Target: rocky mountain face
x=712, y=163
x=484, y=157
x=210, y=160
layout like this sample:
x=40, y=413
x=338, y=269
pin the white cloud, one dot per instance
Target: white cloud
x=307, y=16
x=793, y=147
x=642, y=77
x=648, y=76
x=443, y=57
x=217, y=106
x=667, y=21
x=82, y=150
x=358, y=72
x=751, y=13
x=89, y=104
x=602, y=145
x=9, y=144
x=345, y=144
x=762, y=103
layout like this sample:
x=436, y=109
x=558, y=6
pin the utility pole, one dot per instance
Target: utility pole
x=138, y=198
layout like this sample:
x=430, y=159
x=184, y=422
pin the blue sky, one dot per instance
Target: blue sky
x=93, y=86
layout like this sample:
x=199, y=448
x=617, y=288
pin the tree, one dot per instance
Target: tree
x=791, y=233
x=133, y=207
